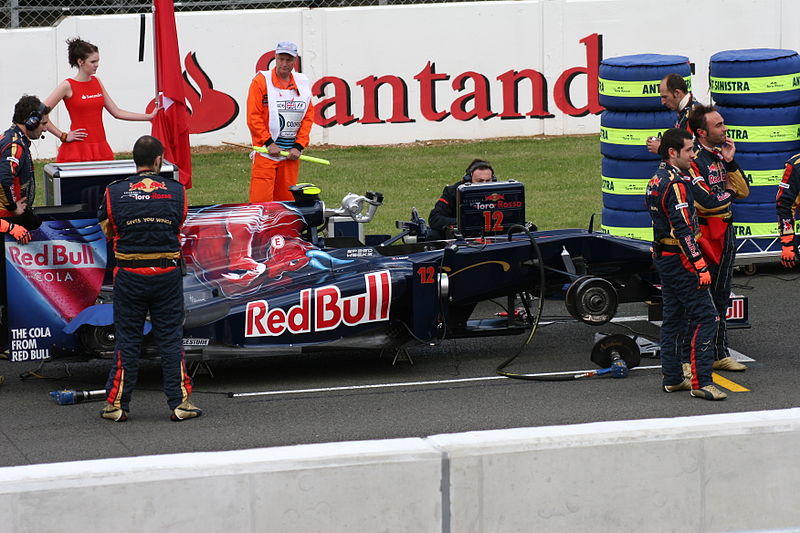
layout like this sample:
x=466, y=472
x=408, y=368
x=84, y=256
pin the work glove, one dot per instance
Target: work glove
x=788, y=251
x=703, y=275
x=22, y=235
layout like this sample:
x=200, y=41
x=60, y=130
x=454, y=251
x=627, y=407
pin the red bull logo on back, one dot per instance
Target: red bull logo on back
x=147, y=185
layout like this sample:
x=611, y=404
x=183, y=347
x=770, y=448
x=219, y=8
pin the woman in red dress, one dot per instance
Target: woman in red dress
x=85, y=98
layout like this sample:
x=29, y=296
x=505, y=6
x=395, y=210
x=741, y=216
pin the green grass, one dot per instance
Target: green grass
x=561, y=176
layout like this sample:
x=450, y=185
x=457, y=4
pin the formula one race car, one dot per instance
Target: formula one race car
x=263, y=278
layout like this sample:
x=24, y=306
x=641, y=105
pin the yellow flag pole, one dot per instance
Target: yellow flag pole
x=261, y=149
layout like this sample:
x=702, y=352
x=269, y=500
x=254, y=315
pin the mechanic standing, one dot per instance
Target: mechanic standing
x=786, y=203
x=714, y=163
x=142, y=215
x=279, y=115
x=443, y=215
x=17, y=183
x=685, y=277
x=675, y=96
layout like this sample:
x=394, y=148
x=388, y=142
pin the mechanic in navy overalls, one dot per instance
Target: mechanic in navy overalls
x=786, y=202
x=675, y=96
x=17, y=183
x=714, y=163
x=142, y=215
x=683, y=271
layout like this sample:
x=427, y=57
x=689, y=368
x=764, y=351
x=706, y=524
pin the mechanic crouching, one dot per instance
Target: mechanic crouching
x=142, y=215
x=685, y=278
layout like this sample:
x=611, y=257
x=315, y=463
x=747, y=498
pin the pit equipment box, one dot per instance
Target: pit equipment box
x=489, y=208
x=85, y=182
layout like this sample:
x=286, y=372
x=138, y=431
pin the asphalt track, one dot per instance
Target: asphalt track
x=451, y=387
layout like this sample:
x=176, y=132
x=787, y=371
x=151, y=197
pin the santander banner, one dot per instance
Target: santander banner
x=392, y=74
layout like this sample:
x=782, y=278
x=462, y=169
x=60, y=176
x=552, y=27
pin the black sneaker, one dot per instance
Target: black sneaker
x=113, y=413
x=185, y=411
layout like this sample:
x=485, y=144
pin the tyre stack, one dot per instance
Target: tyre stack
x=629, y=92
x=757, y=91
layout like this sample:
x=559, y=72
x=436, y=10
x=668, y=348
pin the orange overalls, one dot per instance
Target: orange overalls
x=270, y=179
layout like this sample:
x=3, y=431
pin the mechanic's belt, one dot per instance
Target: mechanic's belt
x=662, y=248
x=161, y=262
x=669, y=241
x=726, y=217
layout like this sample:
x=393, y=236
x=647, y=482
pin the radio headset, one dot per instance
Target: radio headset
x=475, y=166
x=35, y=118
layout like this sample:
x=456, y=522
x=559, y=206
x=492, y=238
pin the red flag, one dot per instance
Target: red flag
x=171, y=124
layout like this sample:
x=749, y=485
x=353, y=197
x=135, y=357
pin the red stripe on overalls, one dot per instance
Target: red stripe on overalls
x=186, y=381
x=115, y=392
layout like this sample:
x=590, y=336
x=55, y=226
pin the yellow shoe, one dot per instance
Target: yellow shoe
x=113, y=413
x=683, y=385
x=687, y=370
x=728, y=363
x=185, y=411
x=709, y=392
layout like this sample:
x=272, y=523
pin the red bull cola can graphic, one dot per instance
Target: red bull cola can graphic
x=49, y=281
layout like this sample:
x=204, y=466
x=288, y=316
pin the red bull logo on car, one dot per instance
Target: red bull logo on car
x=37, y=255
x=322, y=309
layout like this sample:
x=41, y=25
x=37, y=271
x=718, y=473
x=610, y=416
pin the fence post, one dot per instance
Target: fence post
x=13, y=13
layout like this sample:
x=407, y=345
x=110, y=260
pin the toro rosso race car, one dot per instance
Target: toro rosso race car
x=264, y=278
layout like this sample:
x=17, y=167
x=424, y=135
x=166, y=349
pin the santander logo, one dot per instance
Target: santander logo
x=322, y=309
x=209, y=109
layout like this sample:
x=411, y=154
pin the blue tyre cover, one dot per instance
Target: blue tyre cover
x=625, y=181
x=763, y=172
x=623, y=135
x=759, y=77
x=633, y=224
x=775, y=129
x=755, y=219
x=630, y=83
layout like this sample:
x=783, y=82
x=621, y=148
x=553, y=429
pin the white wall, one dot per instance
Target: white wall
x=487, y=38
x=714, y=473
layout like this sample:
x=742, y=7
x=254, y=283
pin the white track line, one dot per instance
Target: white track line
x=411, y=383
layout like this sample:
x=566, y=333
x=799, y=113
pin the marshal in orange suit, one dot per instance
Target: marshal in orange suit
x=279, y=115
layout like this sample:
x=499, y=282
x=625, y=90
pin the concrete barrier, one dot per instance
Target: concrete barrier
x=388, y=485
x=729, y=472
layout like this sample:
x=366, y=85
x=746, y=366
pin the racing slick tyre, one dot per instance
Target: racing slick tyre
x=764, y=172
x=630, y=83
x=623, y=135
x=625, y=181
x=762, y=129
x=632, y=224
x=591, y=300
x=758, y=77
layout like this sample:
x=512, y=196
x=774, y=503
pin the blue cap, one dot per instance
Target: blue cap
x=285, y=47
